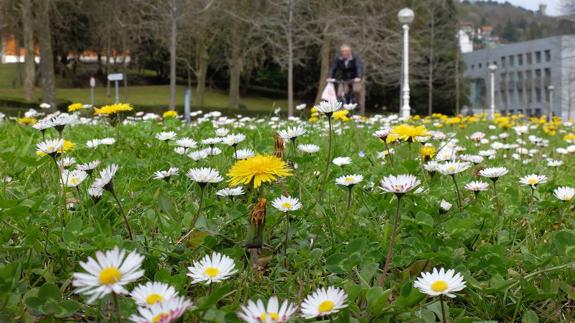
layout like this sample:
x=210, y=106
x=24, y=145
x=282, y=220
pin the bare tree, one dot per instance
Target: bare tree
x=43, y=23
x=28, y=38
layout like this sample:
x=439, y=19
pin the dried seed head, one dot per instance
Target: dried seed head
x=258, y=213
x=279, y=146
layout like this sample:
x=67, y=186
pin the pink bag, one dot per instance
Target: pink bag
x=328, y=93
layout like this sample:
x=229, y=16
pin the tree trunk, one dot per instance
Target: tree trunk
x=430, y=67
x=173, y=41
x=46, y=54
x=457, y=86
x=236, y=65
x=235, y=78
x=201, y=73
x=28, y=35
x=325, y=57
x=290, y=57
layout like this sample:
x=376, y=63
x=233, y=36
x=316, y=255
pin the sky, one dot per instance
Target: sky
x=553, y=6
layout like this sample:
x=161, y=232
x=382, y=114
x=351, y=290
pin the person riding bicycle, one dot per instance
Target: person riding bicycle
x=348, y=67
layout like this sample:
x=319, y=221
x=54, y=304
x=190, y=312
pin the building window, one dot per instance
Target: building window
x=548, y=55
x=511, y=60
x=537, y=57
x=520, y=59
x=503, y=61
x=479, y=65
x=529, y=58
x=472, y=66
x=538, y=95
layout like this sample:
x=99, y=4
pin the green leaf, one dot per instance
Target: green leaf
x=530, y=317
x=49, y=291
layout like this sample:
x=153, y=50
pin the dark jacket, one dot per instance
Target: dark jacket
x=354, y=68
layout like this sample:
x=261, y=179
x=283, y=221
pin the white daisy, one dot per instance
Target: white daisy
x=231, y=191
x=349, y=180
x=95, y=192
x=342, y=161
x=291, y=133
x=211, y=141
x=476, y=186
x=152, y=292
x=233, y=140
x=244, y=154
x=222, y=132
x=300, y=107
x=564, y=193
x=165, y=312
x=93, y=143
x=452, y=167
x=445, y=206
x=323, y=302
x=204, y=175
x=533, y=180
x=108, y=273
x=257, y=312
x=73, y=178
x=107, y=141
x=198, y=154
x=286, y=203
x=166, y=174
x=432, y=166
x=328, y=108
x=494, y=173
x=308, y=148
x=89, y=166
x=50, y=146
x=212, y=268
x=399, y=184
x=186, y=143
x=440, y=283
x=106, y=176
x=382, y=133
x=166, y=135
x=66, y=162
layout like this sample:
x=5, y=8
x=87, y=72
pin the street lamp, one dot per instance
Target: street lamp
x=405, y=17
x=551, y=88
x=492, y=69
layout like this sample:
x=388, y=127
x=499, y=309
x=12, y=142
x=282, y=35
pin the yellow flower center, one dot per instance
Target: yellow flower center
x=451, y=168
x=211, y=272
x=74, y=180
x=273, y=316
x=50, y=148
x=532, y=181
x=349, y=179
x=154, y=298
x=110, y=275
x=286, y=205
x=326, y=306
x=439, y=286
x=158, y=318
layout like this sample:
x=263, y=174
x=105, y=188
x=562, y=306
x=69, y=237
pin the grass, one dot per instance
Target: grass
x=156, y=95
x=517, y=259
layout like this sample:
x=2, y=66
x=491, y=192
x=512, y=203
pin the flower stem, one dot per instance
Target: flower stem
x=391, y=243
x=348, y=199
x=196, y=217
x=123, y=215
x=328, y=160
x=117, y=307
x=443, y=318
x=286, y=239
x=458, y=193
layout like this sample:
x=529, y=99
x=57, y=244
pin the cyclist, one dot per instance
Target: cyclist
x=348, y=67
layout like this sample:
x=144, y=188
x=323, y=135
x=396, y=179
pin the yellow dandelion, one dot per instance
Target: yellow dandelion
x=170, y=114
x=407, y=132
x=341, y=115
x=26, y=121
x=113, y=109
x=427, y=152
x=75, y=107
x=257, y=170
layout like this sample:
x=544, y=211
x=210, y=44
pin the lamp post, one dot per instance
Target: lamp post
x=492, y=69
x=405, y=17
x=551, y=89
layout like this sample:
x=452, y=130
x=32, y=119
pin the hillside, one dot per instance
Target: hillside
x=511, y=23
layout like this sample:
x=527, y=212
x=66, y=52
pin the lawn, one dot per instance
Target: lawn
x=492, y=201
x=157, y=95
